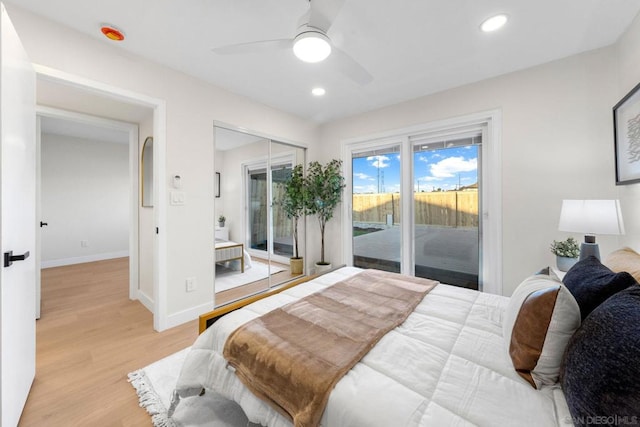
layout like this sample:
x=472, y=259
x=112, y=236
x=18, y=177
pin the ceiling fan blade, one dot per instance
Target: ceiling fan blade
x=351, y=68
x=254, y=47
x=322, y=13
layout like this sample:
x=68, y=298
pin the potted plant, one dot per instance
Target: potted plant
x=324, y=186
x=566, y=252
x=293, y=205
x=221, y=220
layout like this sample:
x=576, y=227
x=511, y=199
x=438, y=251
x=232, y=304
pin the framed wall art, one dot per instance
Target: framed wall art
x=626, y=135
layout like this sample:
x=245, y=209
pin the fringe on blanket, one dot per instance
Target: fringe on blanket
x=149, y=400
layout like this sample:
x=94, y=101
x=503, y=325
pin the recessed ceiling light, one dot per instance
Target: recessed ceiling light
x=112, y=33
x=318, y=91
x=311, y=46
x=494, y=23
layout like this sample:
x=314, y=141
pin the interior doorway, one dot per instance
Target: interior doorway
x=73, y=93
x=87, y=196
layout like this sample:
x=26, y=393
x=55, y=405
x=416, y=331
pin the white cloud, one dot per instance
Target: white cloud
x=365, y=189
x=379, y=161
x=363, y=176
x=450, y=166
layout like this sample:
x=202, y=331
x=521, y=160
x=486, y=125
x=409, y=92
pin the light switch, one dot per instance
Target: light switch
x=177, y=198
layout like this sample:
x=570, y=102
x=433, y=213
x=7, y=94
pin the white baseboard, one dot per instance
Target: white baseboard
x=188, y=315
x=83, y=259
x=145, y=300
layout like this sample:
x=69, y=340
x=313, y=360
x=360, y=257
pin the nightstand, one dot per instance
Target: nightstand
x=222, y=233
x=557, y=272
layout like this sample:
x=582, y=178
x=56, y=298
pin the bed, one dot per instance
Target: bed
x=227, y=251
x=448, y=363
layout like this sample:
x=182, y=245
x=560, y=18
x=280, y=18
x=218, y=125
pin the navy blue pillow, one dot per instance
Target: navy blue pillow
x=601, y=366
x=591, y=283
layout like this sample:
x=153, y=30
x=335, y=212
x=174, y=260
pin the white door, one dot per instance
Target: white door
x=17, y=223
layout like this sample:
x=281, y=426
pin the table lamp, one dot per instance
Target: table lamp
x=591, y=217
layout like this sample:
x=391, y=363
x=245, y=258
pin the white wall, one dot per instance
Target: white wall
x=233, y=181
x=628, y=77
x=85, y=197
x=191, y=106
x=556, y=144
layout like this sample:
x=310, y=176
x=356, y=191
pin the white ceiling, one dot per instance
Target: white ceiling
x=410, y=47
x=56, y=126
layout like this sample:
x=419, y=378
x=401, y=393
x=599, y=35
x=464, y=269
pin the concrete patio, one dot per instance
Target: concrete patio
x=448, y=254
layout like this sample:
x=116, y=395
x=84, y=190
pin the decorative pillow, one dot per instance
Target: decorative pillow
x=591, y=283
x=600, y=370
x=625, y=259
x=539, y=320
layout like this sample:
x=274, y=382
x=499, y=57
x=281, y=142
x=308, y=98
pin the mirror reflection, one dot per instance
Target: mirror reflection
x=147, y=172
x=255, y=171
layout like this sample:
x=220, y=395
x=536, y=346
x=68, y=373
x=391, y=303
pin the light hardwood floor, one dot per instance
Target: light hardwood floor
x=89, y=337
x=240, y=292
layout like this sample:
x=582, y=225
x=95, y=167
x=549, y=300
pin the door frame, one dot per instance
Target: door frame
x=160, y=195
x=491, y=215
x=134, y=199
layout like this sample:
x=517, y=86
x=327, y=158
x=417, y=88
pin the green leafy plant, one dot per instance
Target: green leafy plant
x=293, y=201
x=566, y=248
x=221, y=218
x=324, y=186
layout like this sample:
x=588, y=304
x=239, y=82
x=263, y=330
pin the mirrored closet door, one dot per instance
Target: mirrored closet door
x=254, y=245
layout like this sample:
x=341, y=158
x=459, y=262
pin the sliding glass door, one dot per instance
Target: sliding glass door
x=415, y=205
x=446, y=226
x=376, y=205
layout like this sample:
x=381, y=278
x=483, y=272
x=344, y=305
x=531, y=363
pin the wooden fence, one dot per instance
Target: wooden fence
x=447, y=208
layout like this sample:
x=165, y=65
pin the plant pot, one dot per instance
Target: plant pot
x=320, y=268
x=221, y=224
x=297, y=265
x=565, y=263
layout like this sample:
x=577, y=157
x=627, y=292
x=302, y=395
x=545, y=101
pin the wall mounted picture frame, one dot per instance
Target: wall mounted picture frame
x=217, y=184
x=626, y=135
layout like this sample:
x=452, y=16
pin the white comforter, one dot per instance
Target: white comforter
x=446, y=365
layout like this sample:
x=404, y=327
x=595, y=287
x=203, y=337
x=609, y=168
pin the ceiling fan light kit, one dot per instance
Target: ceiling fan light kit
x=311, y=43
x=311, y=46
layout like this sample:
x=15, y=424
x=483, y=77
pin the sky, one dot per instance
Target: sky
x=444, y=169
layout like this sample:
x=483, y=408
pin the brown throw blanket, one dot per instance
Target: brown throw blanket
x=293, y=356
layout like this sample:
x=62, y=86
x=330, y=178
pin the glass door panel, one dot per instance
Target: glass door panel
x=376, y=220
x=282, y=225
x=445, y=208
x=284, y=158
x=241, y=270
x=257, y=207
x=253, y=172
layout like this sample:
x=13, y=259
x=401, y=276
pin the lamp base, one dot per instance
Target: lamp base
x=589, y=249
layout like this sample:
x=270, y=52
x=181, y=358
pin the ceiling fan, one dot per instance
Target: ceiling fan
x=311, y=43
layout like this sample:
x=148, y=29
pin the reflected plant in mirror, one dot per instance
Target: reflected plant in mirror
x=293, y=204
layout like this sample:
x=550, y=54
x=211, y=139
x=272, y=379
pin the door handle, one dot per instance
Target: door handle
x=43, y=224
x=9, y=257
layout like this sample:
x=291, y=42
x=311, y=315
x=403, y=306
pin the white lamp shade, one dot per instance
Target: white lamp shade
x=311, y=46
x=591, y=217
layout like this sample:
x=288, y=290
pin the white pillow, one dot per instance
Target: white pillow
x=539, y=320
